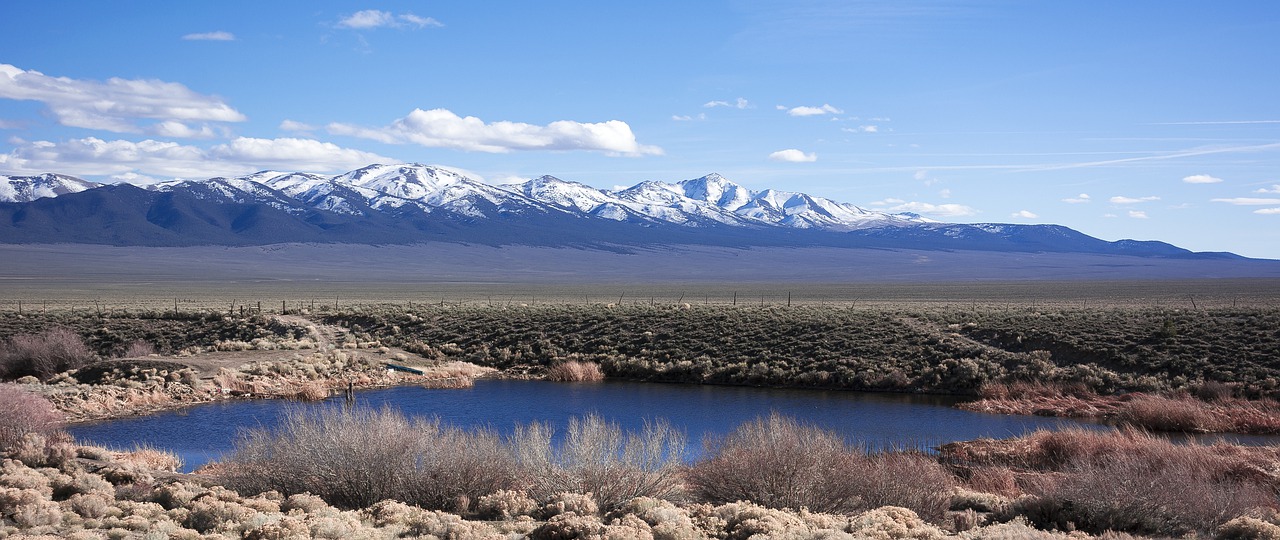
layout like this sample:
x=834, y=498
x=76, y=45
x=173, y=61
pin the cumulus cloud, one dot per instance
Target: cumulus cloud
x=813, y=111
x=927, y=209
x=1267, y=211
x=1249, y=201
x=210, y=36
x=1132, y=200
x=1275, y=188
x=792, y=155
x=441, y=128
x=1137, y=214
x=96, y=157
x=1201, y=179
x=117, y=105
x=371, y=18
x=1024, y=214
x=1078, y=199
x=740, y=103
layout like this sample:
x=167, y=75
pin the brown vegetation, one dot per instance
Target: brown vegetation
x=43, y=355
x=575, y=371
x=778, y=462
x=25, y=413
x=1124, y=480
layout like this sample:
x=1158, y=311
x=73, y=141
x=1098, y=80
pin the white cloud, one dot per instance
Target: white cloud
x=1137, y=214
x=421, y=22
x=1024, y=214
x=95, y=157
x=1201, y=179
x=118, y=104
x=210, y=36
x=1275, y=188
x=792, y=155
x=687, y=118
x=10, y=124
x=372, y=18
x=946, y=194
x=1249, y=201
x=172, y=128
x=1267, y=211
x=441, y=128
x=1078, y=199
x=740, y=103
x=928, y=209
x=861, y=129
x=813, y=111
x=291, y=125
x=508, y=180
x=1132, y=200
x=921, y=175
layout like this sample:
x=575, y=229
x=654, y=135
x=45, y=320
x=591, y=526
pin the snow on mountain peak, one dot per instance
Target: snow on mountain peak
x=30, y=188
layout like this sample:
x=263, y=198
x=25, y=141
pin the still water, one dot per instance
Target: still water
x=203, y=433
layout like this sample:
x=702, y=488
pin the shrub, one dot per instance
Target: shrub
x=139, y=349
x=356, y=457
x=779, y=463
x=575, y=371
x=25, y=413
x=597, y=457
x=505, y=504
x=43, y=355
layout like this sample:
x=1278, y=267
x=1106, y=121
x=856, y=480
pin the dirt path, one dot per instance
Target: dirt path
x=954, y=336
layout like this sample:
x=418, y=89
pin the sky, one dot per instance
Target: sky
x=1150, y=120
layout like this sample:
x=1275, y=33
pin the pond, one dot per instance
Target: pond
x=203, y=433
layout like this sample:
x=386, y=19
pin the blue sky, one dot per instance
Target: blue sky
x=1138, y=119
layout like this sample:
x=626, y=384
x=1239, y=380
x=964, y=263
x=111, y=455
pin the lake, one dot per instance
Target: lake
x=203, y=433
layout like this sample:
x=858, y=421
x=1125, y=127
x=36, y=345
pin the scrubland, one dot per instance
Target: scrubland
x=344, y=473
x=355, y=473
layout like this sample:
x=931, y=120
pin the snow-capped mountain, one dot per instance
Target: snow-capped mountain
x=409, y=203
x=30, y=188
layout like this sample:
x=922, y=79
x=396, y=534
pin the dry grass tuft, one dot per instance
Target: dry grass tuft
x=575, y=371
x=25, y=413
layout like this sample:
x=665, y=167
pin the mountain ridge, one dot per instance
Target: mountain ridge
x=410, y=203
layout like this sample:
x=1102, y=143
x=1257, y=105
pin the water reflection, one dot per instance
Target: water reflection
x=203, y=433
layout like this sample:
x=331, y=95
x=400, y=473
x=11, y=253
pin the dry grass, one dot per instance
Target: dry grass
x=150, y=458
x=575, y=371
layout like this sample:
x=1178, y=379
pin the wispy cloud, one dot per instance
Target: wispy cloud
x=295, y=126
x=117, y=105
x=688, y=118
x=1191, y=152
x=802, y=110
x=1078, y=199
x=862, y=129
x=793, y=156
x=1249, y=201
x=1132, y=200
x=927, y=209
x=1138, y=214
x=1202, y=179
x=1275, y=188
x=441, y=128
x=740, y=103
x=96, y=157
x=1268, y=211
x=371, y=18
x=1024, y=214
x=1216, y=122
x=210, y=36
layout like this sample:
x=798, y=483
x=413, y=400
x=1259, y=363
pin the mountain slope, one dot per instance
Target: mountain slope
x=410, y=203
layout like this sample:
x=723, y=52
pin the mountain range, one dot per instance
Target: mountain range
x=412, y=203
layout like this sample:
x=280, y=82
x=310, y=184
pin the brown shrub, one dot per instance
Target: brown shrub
x=597, y=457
x=150, y=458
x=575, y=371
x=24, y=413
x=1162, y=413
x=779, y=463
x=311, y=391
x=139, y=349
x=355, y=457
x=43, y=355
